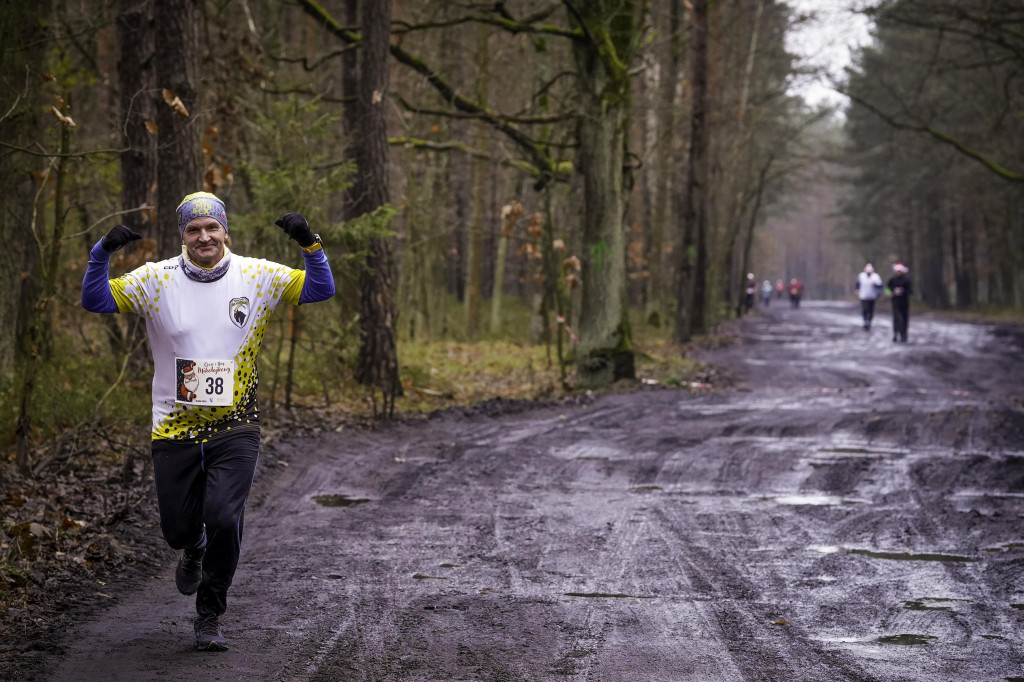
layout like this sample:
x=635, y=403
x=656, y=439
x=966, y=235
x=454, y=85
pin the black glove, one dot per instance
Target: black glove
x=296, y=227
x=118, y=236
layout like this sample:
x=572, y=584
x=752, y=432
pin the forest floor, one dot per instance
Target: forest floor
x=826, y=505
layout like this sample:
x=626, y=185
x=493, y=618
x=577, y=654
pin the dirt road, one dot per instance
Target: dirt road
x=851, y=511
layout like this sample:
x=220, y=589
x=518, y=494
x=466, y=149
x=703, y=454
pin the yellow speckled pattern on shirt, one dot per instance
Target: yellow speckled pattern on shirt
x=225, y=319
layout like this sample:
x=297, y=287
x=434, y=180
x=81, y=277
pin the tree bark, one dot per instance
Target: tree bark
x=665, y=158
x=179, y=159
x=378, y=355
x=22, y=46
x=691, y=294
x=605, y=351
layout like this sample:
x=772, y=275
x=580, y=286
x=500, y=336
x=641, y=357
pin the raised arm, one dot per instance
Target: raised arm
x=96, y=294
x=319, y=281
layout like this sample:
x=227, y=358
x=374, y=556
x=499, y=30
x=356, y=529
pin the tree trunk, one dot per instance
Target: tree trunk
x=22, y=46
x=350, y=93
x=605, y=351
x=179, y=160
x=664, y=162
x=691, y=294
x=135, y=80
x=138, y=161
x=378, y=355
x=40, y=319
x=481, y=168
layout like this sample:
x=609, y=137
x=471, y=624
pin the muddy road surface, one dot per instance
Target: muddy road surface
x=849, y=509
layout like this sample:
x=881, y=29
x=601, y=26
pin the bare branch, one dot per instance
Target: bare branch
x=941, y=136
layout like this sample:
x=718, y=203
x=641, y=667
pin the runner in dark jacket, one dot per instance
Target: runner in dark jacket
x=899, y=285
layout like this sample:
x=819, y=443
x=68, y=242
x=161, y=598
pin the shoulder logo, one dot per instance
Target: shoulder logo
x=238, y=311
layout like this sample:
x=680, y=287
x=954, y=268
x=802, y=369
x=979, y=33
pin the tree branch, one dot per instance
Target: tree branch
x=545, y=169
x=941, y=136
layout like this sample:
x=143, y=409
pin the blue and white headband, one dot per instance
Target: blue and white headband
x=200, y=204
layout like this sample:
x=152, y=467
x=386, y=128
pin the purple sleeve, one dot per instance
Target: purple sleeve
x=319, y=283
x=96, y=296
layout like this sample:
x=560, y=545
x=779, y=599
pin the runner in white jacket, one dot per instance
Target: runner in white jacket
x=869, y=288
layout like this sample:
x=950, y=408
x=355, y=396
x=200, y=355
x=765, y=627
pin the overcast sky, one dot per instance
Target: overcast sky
x=827, y=41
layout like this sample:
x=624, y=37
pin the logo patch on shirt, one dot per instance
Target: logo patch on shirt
x=238, y=310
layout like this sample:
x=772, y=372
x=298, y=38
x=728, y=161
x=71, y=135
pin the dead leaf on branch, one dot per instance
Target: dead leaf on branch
x=152, y=128
x=65, y=120
x=175, y=103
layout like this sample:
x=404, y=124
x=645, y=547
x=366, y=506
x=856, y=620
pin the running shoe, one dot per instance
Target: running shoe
x=189, y=572
x=208, y=635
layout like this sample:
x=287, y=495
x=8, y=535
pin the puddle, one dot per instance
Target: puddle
x=338, y=500
x=645, y=488
x=810, y=500
x=894, y=556
x=912, y=556
x=907, y=639
x=922, y=605
x=1019, y=607
x=858, y=451
x=606, y=595
x=420, y=576
x=1005, y=547
x=1004, y=639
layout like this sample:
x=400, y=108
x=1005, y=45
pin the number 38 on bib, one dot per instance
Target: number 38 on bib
x=204, y=382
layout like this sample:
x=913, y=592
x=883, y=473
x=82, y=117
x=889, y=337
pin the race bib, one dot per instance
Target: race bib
x=204, y=382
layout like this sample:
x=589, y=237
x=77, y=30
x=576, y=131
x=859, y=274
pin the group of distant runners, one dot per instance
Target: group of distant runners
x=795, y=291
x=869, y=288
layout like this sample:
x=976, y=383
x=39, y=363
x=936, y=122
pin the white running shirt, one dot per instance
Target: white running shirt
x=205, y=338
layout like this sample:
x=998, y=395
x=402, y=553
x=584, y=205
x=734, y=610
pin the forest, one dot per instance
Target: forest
x=548, y=193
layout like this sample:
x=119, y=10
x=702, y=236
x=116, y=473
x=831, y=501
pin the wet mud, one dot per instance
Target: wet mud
x=850, y=509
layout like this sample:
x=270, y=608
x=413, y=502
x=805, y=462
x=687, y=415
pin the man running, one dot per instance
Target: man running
x=899, y=285
x=206, y=312
x=869, y=286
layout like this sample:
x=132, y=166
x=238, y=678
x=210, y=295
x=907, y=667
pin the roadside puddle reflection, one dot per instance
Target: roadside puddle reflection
x=912, y=556
x=814, y=500
x=907, y=639
x=929, y=604
x=607, y=595
x=338, y=500
x=894, y=556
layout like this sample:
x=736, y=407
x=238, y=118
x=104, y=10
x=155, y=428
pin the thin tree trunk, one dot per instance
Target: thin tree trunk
x=691, y=283
x=179, y=160
x=481, y=168
x=138, y=161
x=23, y=44
x=40, y=323
x=665, y=158
x=378, y=354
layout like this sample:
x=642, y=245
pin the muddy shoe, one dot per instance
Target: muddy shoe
x=189, y=572
x=208, y=636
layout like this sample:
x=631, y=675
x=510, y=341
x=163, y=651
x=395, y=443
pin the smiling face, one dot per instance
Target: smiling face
x=204, y=240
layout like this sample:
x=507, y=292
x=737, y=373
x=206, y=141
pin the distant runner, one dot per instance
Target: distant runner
x=206, y=312
x=796, y=291
x=899, y=285
x=869, y=288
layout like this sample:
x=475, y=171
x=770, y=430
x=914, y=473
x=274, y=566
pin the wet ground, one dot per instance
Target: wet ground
x=851, y=510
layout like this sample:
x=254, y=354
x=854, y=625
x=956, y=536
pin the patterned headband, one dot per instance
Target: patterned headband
x=201, y=204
